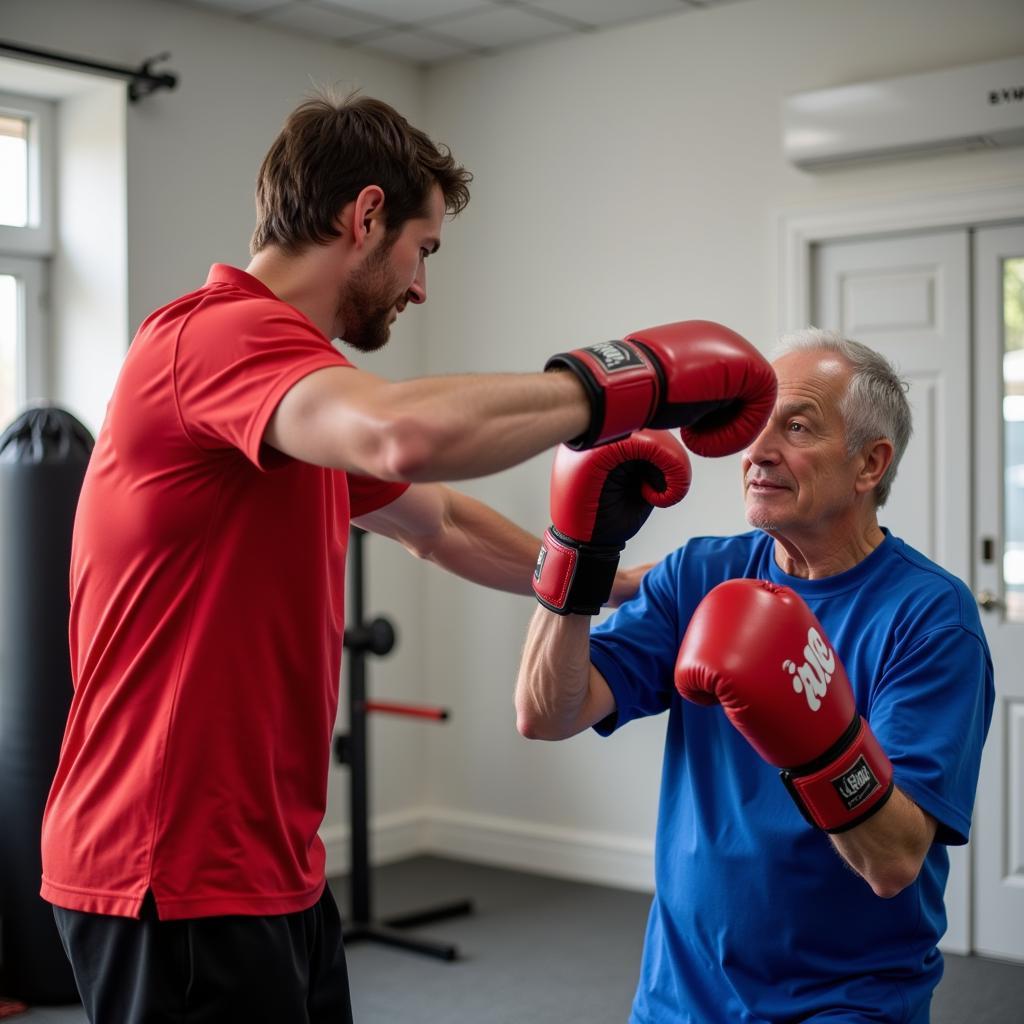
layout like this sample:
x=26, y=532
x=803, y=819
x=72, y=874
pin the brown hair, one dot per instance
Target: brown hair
x=328, y=151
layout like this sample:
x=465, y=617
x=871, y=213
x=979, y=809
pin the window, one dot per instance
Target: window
x=1013, y=436
x=9, y=331
x=26, y=176
x=22, y=334
x=14, y=170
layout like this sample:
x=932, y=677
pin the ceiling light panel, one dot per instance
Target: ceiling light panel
x=501, y=26
x=607, y=12
x=318, y=21
x=408, y=11
x=236, y=6
x=421, y=47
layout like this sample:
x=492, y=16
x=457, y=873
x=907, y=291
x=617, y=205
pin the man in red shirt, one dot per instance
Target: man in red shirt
x=180, y=846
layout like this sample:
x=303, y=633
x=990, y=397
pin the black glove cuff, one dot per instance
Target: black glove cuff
x=590, y=569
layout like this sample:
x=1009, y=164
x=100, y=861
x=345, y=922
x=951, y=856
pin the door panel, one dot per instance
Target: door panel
x=908, y=297
x=999, y=518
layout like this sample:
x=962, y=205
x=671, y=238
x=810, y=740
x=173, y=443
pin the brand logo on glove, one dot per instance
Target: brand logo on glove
x=813, y=676
x=613, y=356
x=539, y=567
x=855, y=785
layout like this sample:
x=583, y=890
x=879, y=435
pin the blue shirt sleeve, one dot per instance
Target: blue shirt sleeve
x=635, y=648
x=930, y=712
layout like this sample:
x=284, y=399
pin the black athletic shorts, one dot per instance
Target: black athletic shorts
x=279, y=969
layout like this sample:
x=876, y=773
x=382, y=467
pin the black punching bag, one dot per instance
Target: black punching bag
x=43, y=455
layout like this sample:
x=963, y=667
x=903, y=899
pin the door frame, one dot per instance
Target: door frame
x=799, y=231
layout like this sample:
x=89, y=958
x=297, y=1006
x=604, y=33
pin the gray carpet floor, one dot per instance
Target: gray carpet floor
x=548, y=951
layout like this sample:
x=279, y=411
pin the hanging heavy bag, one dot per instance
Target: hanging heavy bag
x=43, y=457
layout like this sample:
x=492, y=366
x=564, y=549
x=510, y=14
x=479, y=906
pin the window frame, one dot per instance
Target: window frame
x=26, y=251
x=37, y=237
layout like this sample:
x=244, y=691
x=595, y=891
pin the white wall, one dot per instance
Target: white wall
x=624, y=179
x=188, y=163
x=89, y=279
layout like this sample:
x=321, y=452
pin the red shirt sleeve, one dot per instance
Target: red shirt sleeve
x=367, y=494
x=231, y=373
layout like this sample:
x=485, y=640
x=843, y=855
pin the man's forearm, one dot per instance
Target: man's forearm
x=559, y=693
x=481, y=545
x=472, y=540
x=888, y=849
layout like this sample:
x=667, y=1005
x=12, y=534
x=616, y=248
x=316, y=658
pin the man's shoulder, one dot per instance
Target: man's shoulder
x=922, y=583
x=230, y=300
x=221, y=304
x=918, y=569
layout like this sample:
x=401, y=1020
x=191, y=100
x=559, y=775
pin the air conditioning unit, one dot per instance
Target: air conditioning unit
x=981, y=105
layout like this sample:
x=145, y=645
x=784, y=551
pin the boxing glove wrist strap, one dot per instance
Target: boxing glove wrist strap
x=571, y=577
x=848, y=784
x=623, y=385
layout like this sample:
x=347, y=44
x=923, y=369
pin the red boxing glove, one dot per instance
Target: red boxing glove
x=696, y=374
x=758, y=650
x=599, y=499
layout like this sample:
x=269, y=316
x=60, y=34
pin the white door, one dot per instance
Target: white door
x=999, y=575
x=908, y=297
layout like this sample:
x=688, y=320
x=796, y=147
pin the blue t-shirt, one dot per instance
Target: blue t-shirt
x=756, y=918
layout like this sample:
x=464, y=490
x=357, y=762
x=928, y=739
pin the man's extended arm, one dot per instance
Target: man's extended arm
x=694, y=374
x=429, y=429
x=470, y=539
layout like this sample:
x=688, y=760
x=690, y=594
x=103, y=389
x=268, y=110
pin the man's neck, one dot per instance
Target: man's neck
x=816, y=557
x=301, y=281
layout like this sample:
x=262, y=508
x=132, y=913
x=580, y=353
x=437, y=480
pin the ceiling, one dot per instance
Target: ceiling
x=431, y=31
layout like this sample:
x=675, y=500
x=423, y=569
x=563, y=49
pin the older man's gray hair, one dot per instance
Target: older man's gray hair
x=875, y=404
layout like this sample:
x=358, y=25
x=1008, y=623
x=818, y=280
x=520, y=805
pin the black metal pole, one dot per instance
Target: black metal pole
x=361, y=640
x=358, y=788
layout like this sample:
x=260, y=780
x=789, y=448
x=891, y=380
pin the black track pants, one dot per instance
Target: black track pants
x=280, y=969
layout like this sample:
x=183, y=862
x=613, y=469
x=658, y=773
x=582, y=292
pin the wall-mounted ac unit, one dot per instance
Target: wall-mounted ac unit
x=960, y=108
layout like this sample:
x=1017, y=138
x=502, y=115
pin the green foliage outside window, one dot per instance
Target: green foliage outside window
x=1013, y=303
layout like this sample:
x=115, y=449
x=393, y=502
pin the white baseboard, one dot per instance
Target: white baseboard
x=604, y=859
x=600, y=858
x=392, y=837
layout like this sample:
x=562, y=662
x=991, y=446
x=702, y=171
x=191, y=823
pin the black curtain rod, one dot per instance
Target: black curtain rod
x=141, y=81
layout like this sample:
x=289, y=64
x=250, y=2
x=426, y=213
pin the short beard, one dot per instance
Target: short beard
x=371, y=334
x=761, y=522
x=368, y=301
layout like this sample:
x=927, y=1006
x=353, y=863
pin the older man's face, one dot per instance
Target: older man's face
x=797, y=477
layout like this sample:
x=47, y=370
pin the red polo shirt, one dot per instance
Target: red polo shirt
x=207, y=604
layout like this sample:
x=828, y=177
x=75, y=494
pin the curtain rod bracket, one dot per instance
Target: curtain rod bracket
x=146, y=80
